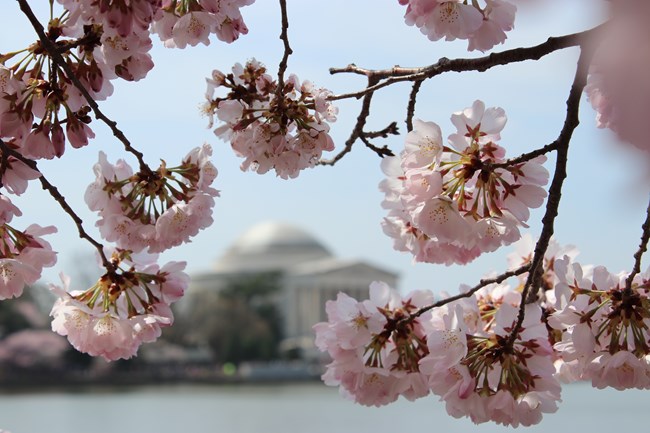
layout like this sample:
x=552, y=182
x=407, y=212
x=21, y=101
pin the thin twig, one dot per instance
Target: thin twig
x=643, y=247
x=380, y=151
x=410, y=110
x=284, y=36
x=56, y=195
x=391, y=129
x=4, y=164
x=357, y=131
x=528, y=156
x=58, y=59
x=555, y=191
x=383, y=133
x=482, y=283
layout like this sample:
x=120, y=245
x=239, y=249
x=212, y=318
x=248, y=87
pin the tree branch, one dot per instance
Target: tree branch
x=410, y=110
x=380, y=78
x=482, y=283
x=358, y=128
x=284, y=36
x=480, y=64
x=555, y=191
x=56, y=195
x=643, y=247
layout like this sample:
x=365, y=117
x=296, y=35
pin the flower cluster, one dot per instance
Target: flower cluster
x=127, y=306
x=284, y=128
x=375, y=350
x=153, y=210
x=40, y=107
x=23, y=254
x=483, y=27
x=603, y=326
x=479, y=354
x=450, y=204
x=189, y=22
x=463, y=352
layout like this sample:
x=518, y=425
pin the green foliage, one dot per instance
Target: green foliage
x=239, y=323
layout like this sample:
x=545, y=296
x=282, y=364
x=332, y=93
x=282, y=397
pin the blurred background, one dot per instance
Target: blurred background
x=240, y=357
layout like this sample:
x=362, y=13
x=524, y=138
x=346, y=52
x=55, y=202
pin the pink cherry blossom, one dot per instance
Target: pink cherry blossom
x=373, y=363
x=23, y=254
x=498, y=18
x=125, y=308
x=603, y=325
x=484, y=27
x=179, y=26
x=449, y=204
x=137, y=219
x=286, y=131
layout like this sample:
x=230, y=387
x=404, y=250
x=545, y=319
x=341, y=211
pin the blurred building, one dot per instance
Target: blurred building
x=310, y=275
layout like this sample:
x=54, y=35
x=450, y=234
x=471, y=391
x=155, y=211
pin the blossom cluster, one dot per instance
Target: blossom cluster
x=99, y=41
x=42, y=109
x=478, y=355
x=127, y=306
x=603, y=325
x=185, y=22
x=23, y=253
x=448, y=204
x=386, y=347
x=483, y=27
x=153, y=210
x=285, y=129
x=373, y=362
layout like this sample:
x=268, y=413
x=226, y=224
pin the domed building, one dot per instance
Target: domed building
x=310, y=274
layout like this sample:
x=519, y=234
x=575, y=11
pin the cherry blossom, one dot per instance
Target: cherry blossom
x=603, y=325
x=127, y=306
x=372, y=363
x=23, y=254
x=184, y=23
x=460, y=200
x=469, y=367
x=456, y=19
x=463, y=351
x=153, y=210
x=286, y=130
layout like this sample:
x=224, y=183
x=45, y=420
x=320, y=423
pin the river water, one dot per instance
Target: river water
x=305, y=408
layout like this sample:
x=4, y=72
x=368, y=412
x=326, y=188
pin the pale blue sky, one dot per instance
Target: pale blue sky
x=603, y=203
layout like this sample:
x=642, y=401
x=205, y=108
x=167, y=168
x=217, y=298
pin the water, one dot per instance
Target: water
x=309, y=408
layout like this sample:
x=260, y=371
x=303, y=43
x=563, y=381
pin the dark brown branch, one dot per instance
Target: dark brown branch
x=384, y=133
x=555, y=191
x=528, y=156
x=4, y=163
x=410, y=110
x=284, y=36
x=380, y=151
x=480, y=64
x=643, y=247
x=56, y=195
x=358, y=128
x=58, y=59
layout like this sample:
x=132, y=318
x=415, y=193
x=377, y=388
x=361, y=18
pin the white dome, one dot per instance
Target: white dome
x=271, y=246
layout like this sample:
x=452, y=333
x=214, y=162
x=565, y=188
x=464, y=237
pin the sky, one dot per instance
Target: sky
x=604, y=198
